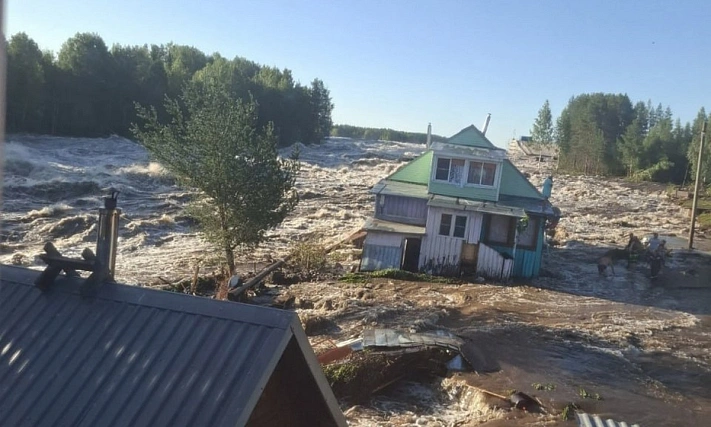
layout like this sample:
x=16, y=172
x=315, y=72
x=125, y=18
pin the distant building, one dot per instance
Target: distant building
x=461, y=207
x=131, y=356
x=524, y=146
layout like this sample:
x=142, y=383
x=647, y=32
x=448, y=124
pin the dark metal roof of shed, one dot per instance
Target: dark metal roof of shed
x=132, y=356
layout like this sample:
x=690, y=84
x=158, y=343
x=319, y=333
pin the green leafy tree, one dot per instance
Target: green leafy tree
x=321, y=108
x=693, y=150
x=181, y=63
x=631, y=145
x=212, y=143
x=25, y=84
x=132, y=66
x=584, y=116
x=86, y=98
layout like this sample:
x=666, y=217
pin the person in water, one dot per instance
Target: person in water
x=548, y=187
x=653, y=243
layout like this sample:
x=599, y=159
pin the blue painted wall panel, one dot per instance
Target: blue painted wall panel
x=527, y=263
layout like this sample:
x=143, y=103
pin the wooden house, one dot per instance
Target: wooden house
x=460, y=208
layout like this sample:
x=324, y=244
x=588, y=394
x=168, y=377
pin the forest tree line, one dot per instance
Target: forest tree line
x=381, y=134
x=607, y=134
x=87, y=89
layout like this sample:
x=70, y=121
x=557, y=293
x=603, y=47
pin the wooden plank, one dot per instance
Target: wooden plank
x=52, y=251
x=64, y=262
x=254, y=281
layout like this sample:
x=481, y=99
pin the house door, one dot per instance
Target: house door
x=470, y=254
x=411, y=257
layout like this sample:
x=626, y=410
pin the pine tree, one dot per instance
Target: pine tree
x=542, y=132
x=212, y=143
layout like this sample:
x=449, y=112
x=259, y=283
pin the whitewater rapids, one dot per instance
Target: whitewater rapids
x=53, y=188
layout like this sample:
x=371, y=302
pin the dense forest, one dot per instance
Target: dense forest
x=88, y=89
x=607, y=134
x=381, y=134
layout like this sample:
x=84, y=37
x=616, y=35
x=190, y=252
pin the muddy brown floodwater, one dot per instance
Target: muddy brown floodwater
x=623, y=346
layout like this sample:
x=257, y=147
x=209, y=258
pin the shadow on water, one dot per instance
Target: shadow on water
x=641, y=344
x=599, y=376
x=683, y=285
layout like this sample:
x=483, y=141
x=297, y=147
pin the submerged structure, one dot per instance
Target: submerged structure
x=460, y=208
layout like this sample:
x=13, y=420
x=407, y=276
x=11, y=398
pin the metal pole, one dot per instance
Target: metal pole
x=3, y=92
x=107, y=236
x=696, y=186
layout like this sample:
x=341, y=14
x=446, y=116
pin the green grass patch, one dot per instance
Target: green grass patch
x=547, y=387
x=587, y=395
x=704, y=220
x=341, y=373
x=701, y=204
x=569, y=411
x=364, y=277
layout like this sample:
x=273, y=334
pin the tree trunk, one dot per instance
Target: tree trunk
x=230, y=258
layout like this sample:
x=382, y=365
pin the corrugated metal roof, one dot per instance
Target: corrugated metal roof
x=393, y=338
x=586, y=420
x=374, y=224
x=133, y=356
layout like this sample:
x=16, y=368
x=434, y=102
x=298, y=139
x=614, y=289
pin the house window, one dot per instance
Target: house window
x=527, y=238
x=450, y=170
x=501, y=230
x=445, y=225
x=481, y=173
x=460, y=226
x=442, y=169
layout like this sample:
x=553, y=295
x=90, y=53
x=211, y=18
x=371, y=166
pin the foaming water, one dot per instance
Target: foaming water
x=643, y=345
x=53, y=188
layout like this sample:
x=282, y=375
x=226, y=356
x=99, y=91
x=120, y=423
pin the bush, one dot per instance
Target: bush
x=309, y=256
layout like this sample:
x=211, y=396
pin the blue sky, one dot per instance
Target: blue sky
x=401, y=64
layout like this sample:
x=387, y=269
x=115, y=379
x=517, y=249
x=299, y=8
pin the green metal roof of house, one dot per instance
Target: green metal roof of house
x=513, y=183
x=415, y=172
x=471, y=137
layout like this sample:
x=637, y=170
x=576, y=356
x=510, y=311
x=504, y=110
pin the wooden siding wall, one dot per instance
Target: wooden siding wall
x=407, y=210
x=381, y=251
x=440, y=250
x=492, y=264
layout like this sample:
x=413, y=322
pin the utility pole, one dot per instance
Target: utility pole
x=696, y=186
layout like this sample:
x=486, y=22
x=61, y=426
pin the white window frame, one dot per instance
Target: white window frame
x=474, y=184
x=465, y=173
x=441, y=220
x=453, y=225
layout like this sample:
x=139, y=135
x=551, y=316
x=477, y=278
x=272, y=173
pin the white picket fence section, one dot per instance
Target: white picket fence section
x=492, y=264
